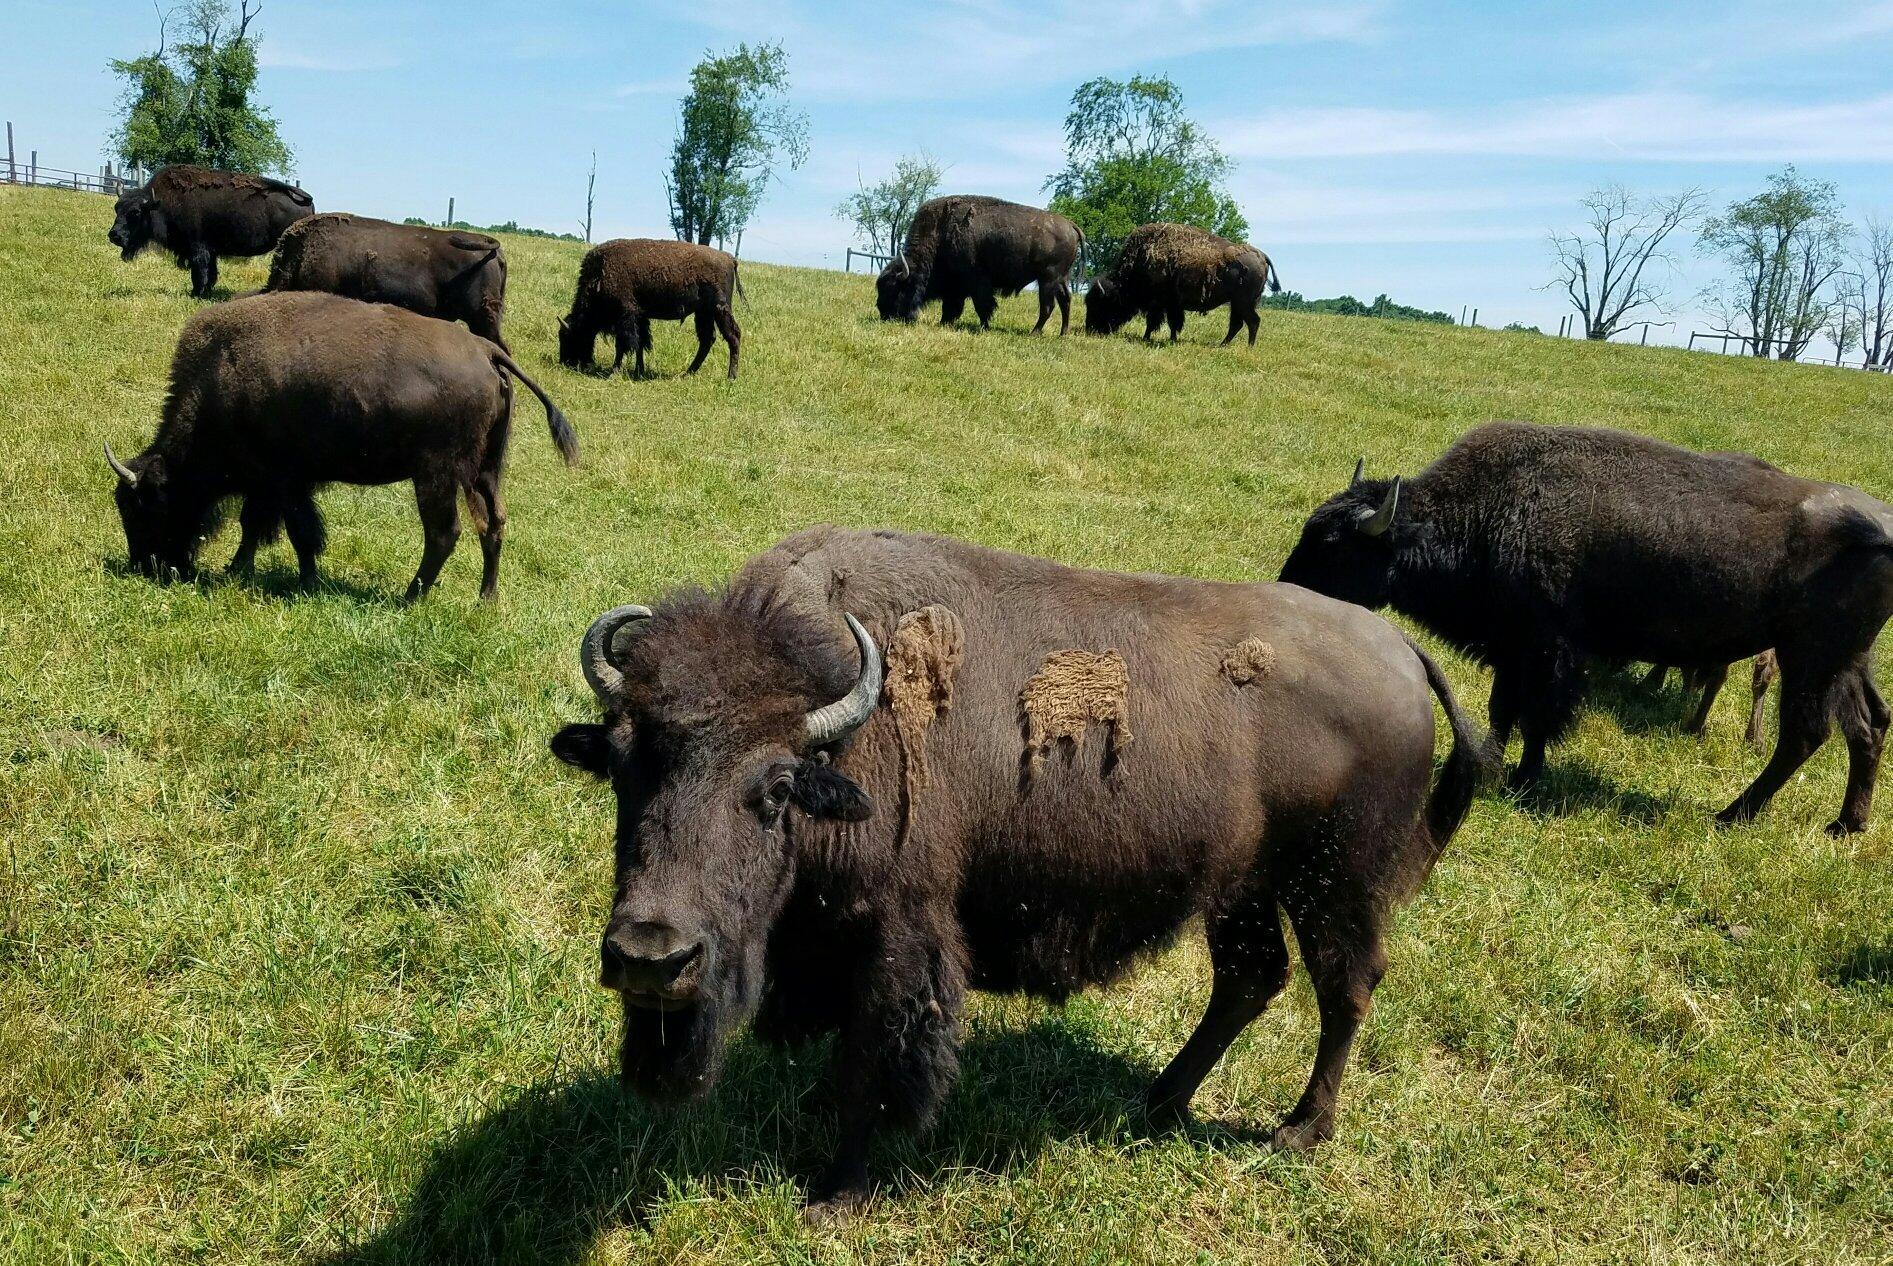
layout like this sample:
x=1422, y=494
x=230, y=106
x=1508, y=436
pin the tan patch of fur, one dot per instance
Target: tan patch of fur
x=923, y=657
x=1248, y=660
x=1070, y=690
x=1187, y=258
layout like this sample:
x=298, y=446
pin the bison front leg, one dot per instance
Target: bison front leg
x=203, y=272
x=306, y=534
x=898, y=1055
x=261, y=518
x=1710, y=680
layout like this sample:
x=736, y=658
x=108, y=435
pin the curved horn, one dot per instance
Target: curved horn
x=1360, y=468
x=841, y=718
x=594, y=655
x=906, y=269
x=126, y=475
x=1377, y=523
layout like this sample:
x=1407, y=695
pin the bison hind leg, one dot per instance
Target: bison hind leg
x=1250, y=960
x=306, y=533
x=1340, y=939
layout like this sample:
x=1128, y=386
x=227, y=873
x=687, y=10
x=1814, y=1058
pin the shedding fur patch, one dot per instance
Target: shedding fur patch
x=1070, y=690
x=923, y=657
x=1248, y=660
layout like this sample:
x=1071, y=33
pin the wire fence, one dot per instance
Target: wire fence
x=107, y=179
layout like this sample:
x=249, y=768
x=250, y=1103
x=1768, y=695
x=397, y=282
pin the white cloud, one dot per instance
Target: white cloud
x=1650, y=126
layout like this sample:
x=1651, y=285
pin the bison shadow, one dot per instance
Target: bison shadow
x=277, y=581
x=1620, y=692
x=1868, y=965
x=1567, y=787
x=543, y=1177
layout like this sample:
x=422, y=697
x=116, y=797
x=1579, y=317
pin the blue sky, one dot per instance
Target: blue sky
x=1418, y=149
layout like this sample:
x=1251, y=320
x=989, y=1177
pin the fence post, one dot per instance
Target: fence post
x=1475, y=318
x=32, y=172
x=12, y=175
x=1645, y=340
x=450, y=213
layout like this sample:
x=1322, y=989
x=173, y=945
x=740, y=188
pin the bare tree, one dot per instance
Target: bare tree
x=1785, y=246
x=591, y=183
x=1867, y=292
x=1605, y=267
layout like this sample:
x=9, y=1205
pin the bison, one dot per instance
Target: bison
x=1537, y=547
x=970, y=247
x=625, y=284
x=1708, y=679
x=274, y=395
x=1055, y=770
x=1169, y=269
x=200, y=215
x=446, y=273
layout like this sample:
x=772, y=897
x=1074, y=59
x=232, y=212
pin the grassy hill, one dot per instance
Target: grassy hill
x=298, y=918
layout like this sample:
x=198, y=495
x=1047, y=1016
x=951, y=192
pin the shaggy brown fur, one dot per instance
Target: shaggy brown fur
x=200, y=215
x=967, y=246
x=1248, y=660
x=274, y=395
x=1070, y=690
x=756, y=877
x=1166, y=270
x=446, y=273
x=625, y=284
x=922, y=658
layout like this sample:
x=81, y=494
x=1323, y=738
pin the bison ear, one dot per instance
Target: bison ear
x=584, y=747
x=822, y=791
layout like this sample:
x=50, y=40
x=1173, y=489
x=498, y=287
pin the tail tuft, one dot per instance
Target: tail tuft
x=564, y=438
x=1469, y=766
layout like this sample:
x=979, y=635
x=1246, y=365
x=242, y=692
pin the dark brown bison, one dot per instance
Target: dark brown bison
x=971, y=247
x=1169, y=269
x=200, y=215
x=1536, y=548
x=625, y=284
x=447, y=273
x=1055, y=772
x=274, y=395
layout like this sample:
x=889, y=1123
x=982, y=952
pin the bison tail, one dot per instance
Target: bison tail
x=1469, y=765
x=564, y=438
x=1275, y=285
x=736, y=273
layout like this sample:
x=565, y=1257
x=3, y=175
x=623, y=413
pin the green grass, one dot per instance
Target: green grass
x=298, y=918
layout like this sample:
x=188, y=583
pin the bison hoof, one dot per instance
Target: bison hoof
x=1735, y=815
x=834, y=1210
x=1290, y=1137
x=1841, y=826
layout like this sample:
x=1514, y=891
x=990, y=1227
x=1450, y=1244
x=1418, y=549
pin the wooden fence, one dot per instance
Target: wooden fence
x=28, y=172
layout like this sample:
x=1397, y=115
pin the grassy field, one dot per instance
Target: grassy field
x=298, y=918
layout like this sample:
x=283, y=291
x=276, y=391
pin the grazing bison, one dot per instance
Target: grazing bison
x=1536, y=547
x=625, y=284
x=274, y=395
x=200, y=215
x=970, y=247
x=1056, y=771
x=445, y=273
x=1708, y=679
x=1169, y=269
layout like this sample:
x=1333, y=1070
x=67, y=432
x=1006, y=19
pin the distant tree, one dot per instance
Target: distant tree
x=1133, y=157
x=191, y=103
x=1784, y=246
x=882, y=212
x=1519, y=327
x=1348, y=305
x=733, y=130
x=1866, y=290
x=591, y=184
x=1604, y=267
x=1843, y=324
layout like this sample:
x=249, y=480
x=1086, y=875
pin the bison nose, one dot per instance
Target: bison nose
x=651, y=960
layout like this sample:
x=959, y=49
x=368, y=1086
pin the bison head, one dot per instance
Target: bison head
x=161, y=533
x=1347, y=546
x=719, y=723
x=132, y=225
x=575, y=344
x=897, y=291
x=1105, y=308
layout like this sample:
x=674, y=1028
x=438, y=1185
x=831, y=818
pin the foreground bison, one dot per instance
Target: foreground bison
x=970, y=247
x=625, y=284
x=1058, y=769
x=1169, y=269
x=1536, y=547
x=274, y=395
x=200, y=215
x=446, y=273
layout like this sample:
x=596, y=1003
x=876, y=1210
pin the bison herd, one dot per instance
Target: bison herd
x=878, y=770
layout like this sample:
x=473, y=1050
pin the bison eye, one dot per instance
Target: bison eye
x=775, y=793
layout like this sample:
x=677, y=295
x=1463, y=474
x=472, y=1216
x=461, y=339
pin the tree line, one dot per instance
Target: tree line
x=1795, y=269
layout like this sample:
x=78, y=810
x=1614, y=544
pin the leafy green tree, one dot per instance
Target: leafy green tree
x=1133, y=157
x=881, y=213
x=1783, y=247
x=191, y=103
x=734, y=128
